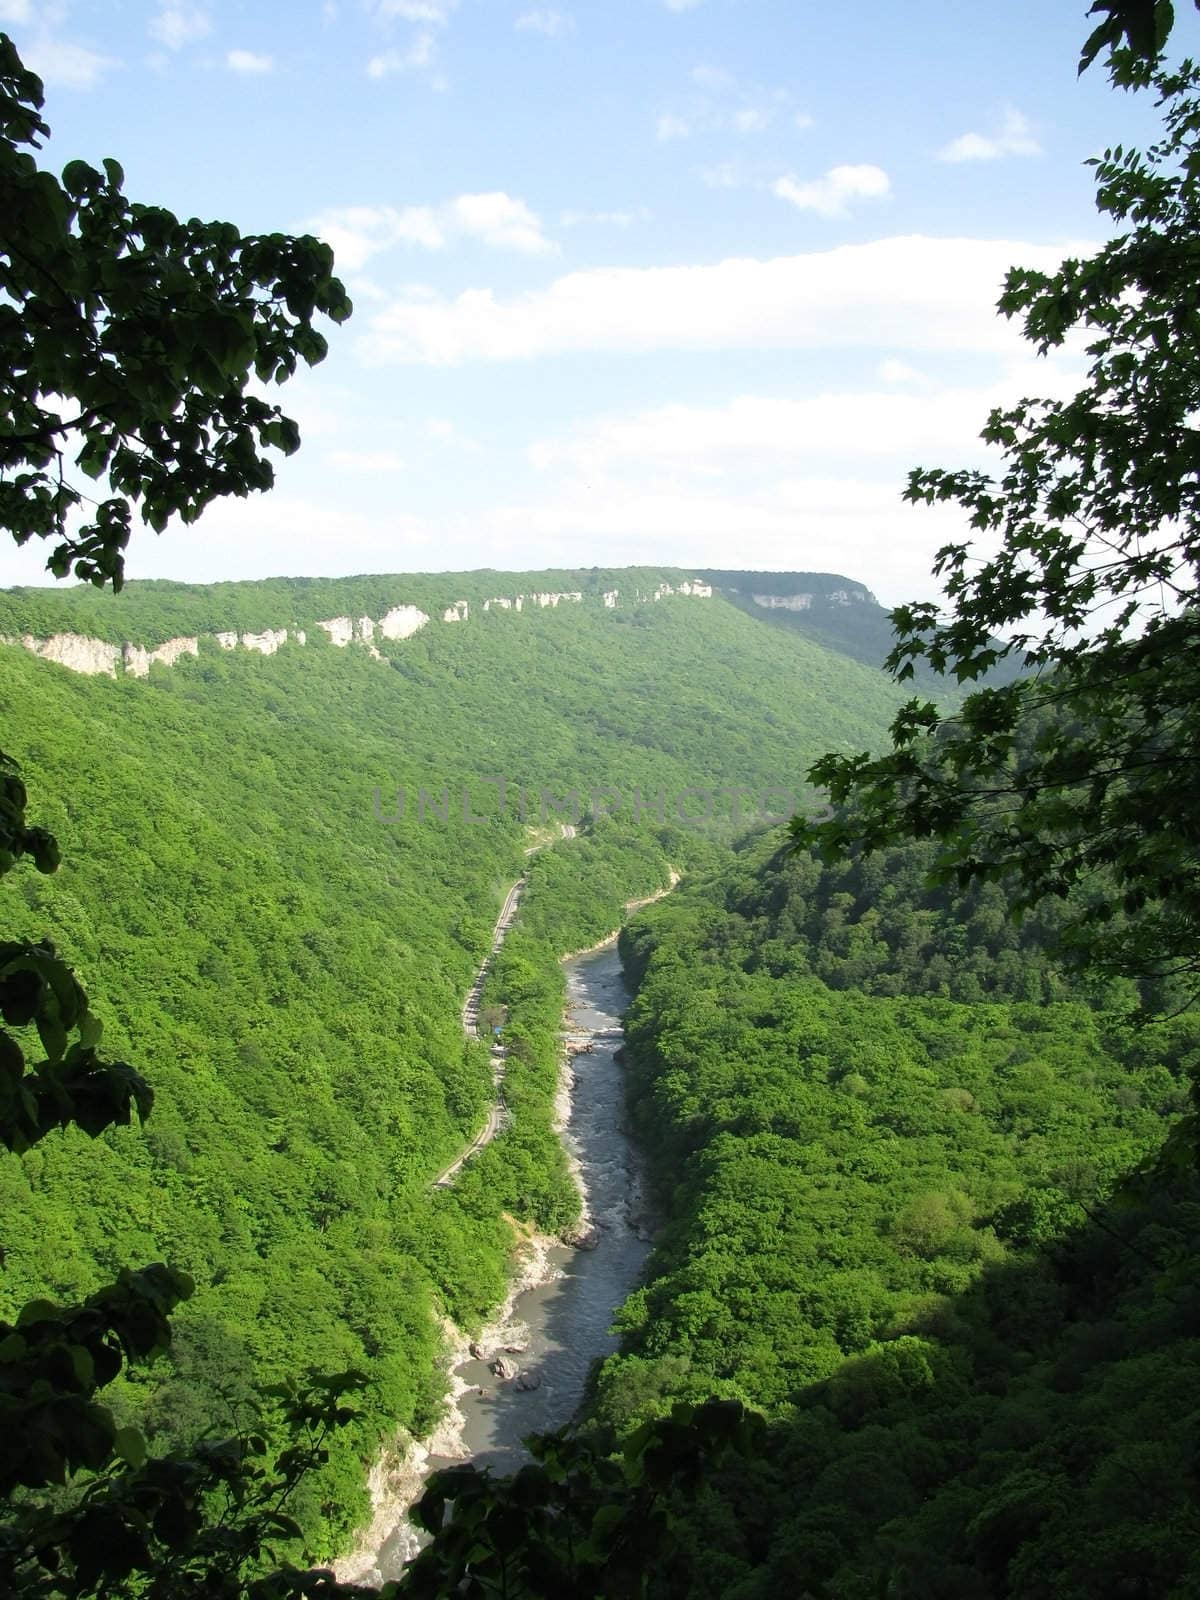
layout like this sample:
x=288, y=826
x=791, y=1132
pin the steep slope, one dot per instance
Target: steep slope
x=284, y=949
x=825, y=607
x=891, y=1228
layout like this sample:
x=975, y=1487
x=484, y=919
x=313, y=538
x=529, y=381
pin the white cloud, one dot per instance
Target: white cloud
x=500, y=221
x=670, y=126
x=249, y=62
x=820, y=523
x=775, y=479
x=418, y=54
x=750, y=119
x=681, y=5
x=544, y=21
x=725, y=175
x=357, y=233
x=289, y=532
x=832, y=195
x=434, y=12
x=363, y=288
x=178, y=25
x=364, y=461
x=720, y=105
x=603, y=219
x=15, y=11
x=892, y=371
x=1012, y=138
x=902, y=293
x=64, y=65
x=751, y=431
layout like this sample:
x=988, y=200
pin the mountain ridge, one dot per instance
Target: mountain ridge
x=158, y=621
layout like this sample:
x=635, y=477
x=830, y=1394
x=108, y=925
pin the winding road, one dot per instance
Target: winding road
x=470, y=1021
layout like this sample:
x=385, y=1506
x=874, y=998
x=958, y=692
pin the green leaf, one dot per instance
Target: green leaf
x=130, y=1446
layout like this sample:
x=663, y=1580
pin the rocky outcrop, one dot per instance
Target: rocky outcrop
x=804, y=602
x=139, y=661
x=401, y=622
x=92, y=656
x=583, y=1236
x=74, y=650
x=339, y=629
x=504, y=1368
x=265, y=643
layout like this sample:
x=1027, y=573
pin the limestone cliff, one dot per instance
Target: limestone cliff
x=92, y=656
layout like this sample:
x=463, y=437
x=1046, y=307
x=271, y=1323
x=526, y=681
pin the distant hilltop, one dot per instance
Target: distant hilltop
x=804, y=601
x=81, y=653
x=156, y=623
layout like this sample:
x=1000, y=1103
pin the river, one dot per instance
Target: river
x=559, y=1327
x=565, y=1322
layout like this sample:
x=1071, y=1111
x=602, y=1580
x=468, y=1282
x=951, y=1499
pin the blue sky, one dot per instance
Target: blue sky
x=680, y=281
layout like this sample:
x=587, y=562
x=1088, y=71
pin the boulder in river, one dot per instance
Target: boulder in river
x=529, y=1380
x=504, y=1368
x=583, y=1236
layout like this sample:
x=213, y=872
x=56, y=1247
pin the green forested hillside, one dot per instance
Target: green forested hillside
x=889, y=1134
x=287, y=968
x=147, y=611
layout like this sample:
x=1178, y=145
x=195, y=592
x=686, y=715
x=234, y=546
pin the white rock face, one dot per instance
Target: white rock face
x=82, y=654
x=339, y=629
x=265, y=643
x=783, y=602
x=74, y=650
x=401, y=622
x=139, y=661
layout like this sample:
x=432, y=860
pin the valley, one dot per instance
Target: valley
x=848, y=1095
x=618, y=1082
x=288, y=969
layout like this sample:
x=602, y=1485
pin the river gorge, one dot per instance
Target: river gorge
x=557, y=1323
